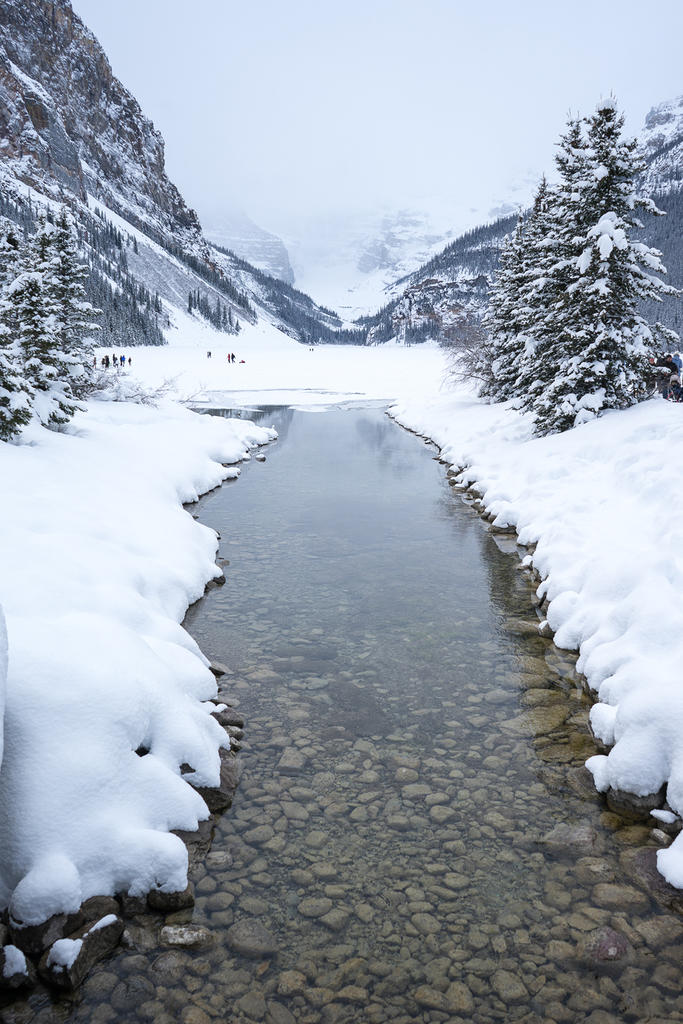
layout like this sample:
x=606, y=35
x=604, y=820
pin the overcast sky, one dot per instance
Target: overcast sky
x=287, y=106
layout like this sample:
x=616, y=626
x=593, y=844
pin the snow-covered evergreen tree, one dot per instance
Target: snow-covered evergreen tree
x=597, y=341
x=15, y=392
x=498, y=363
x=535, y=292
x=46, y=366
x=74, y=313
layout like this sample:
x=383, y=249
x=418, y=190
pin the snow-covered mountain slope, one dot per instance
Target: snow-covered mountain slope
x=235, y=231
x=662, y=144
x=71, y=132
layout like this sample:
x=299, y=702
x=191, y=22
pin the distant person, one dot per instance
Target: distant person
x=242, y=360
x=129, y=362
x=232, y=357
x=208, y=354
x=123, y=360
x=106, y=362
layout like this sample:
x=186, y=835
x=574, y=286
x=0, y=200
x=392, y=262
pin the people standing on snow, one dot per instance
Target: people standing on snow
x=123, y=360
x=208, y=354
x=232, y=357
x=663, y=369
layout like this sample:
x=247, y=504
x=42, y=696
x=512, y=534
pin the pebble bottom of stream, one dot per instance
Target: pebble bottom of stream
x=417, y=835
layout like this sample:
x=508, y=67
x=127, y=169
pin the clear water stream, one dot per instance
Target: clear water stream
x=411, y=747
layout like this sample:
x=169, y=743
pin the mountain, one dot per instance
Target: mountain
x=443, y=299
x=71, y=133
x=238, y=233
x=662, y=145
x=353, y=260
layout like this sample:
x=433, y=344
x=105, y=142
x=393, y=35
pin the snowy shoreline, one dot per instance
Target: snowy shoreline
x=598, y=508
x=100, y=562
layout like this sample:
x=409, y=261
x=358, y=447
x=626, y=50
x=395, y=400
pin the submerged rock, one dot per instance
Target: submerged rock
x=605, y=947
x=579, y=838
x=251, y=939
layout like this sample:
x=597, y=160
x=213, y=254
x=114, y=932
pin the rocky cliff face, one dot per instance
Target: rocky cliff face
x=662, y=146
x=237, y=232
x=66, y=121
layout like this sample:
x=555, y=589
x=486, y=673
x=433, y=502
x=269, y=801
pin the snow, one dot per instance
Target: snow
x=601, y=504
x=64, y=953
x=100, y=562
x=278, y=370
x=15, y=962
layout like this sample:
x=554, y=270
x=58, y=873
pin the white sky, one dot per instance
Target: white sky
x=287, y=107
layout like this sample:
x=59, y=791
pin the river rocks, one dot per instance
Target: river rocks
x=642, y=865
x=68, y=960
x=186, y=936
x=575, y=839
x=382, y=860
x=251, y=939
x=291, y=983
x=426, y=924
x=34, y=939
x=292, y=762
x=459, y=998
x=509, y=987
x=168, y=902
x=312, y=907
x=628, y=805
x=661, y=931
x=620, y=897
x=605, y=947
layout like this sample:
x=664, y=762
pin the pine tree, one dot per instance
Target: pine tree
x=46, y=367
x=596, y=340
x=15, y=391
x=75, y=314
x=497, y=365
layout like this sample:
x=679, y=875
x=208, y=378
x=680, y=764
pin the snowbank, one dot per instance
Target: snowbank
x=603, y=504
x=99, y=563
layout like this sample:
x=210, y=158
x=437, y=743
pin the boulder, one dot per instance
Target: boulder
x=637, y=808
x=68, y=960
x=35, y=938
